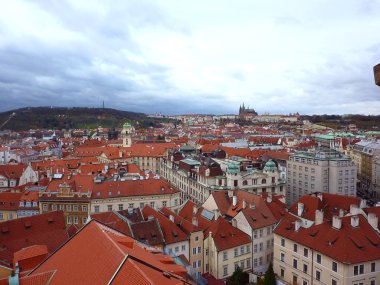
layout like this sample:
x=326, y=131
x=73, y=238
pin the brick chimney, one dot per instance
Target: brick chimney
x=354, y=209
x=318, y=217
x=195, y=221
x=337, y=222
x=234, y=200
x=244, y=202
x=300, y=208
x=373, y=220
x=354, y=221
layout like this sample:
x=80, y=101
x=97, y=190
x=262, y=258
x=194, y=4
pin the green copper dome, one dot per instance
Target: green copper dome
x=270, y=166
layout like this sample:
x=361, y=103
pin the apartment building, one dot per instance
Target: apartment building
x=324, y=170
x=254, y=215
x=328, y=242
x=197, y=179
x=70, y=194
x=119, y=195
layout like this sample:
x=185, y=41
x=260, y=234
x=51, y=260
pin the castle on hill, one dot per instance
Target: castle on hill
x=243, y=111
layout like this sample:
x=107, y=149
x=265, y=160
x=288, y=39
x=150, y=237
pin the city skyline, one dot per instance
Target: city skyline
x=179, y=58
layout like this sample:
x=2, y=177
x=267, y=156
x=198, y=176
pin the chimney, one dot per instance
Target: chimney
x=234, y=200
x=14, y=279
x=230, y=193
x=216, y=214
x=234, y=223
x=297, y=225
x=341, y=212
x=373, y=220
x=354, y=221
x=195, y=221
x=354, y=209
x=269, y=198
x=252, y=205
x=318, y=217
x=195, y=210
x=120, y=154
x=244, y=204
x=337, y=222
x=171, y=218
x=320, y=196
x=300, y=208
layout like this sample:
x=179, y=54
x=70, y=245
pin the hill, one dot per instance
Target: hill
x=73, y=118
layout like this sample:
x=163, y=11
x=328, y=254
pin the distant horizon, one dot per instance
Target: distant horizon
x=182, y=114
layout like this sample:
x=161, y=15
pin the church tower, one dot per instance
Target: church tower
x=126, y=134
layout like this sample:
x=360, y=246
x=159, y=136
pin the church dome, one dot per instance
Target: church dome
x=270, y=166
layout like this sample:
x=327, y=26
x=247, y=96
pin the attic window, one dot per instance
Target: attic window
x=331, y=242
x=4, y=229
x=50, y=220
x=28, y=224
x=222, y=235
x=153, y=234
x=253, y=219
x=314, y=234
x=264, y=216
x=174, y=232
x=357, y=244
x=374, y=243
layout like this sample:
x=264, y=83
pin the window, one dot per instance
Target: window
x=75, y=220
x=260, y=260
x=295, y=247
x=45, y=207
x=141, y=205
x=68, y=208
x=62, y=207
x=305, y=252
x=120, y=206
x=176, y=249
x=152, y=204
x=109, y=208
x=241, y=264
x=225, y=270
x=164, y=203
x=236, y=252
x=75, y=208
x=318, y=275
x=183, y=247
x=373, y=266
x=282, y=242
x=199, y=249
x=282, y=258
x=304, y=282
x=255, y=248
x=248, y=248
x=373, y=282
x=68, y=220
x=261, y=232
x=305, y=268
x=319, y=258
x=207, y=267
x=248, y=263
x=261, y=246
x=242, y=250
x=359, y=269
x=334, y=282
x=54, y=207
x=206, y=252
x=282, y=273
x=334, y=266
x=96, y=209
x=84, y=208
x=84, y=220
x=294, y=263
x=254, y=234
x=255, y=262
x=194, y=264
x=225, y=257
x=194, y=250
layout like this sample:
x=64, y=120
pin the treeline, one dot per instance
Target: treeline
x=73, y=118
x=342, y=121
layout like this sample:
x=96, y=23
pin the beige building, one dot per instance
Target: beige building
x=338, y=246
x=119, y=195
x=324, y=170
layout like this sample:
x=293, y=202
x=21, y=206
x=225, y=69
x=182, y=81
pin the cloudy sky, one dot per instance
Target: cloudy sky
x=173, y=57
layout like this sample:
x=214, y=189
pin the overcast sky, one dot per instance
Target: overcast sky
x=173, y=57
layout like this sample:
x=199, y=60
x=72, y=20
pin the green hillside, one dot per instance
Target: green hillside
x=72, y=118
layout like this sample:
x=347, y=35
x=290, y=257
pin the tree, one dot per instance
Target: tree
x=270, y=278
x=238, y=277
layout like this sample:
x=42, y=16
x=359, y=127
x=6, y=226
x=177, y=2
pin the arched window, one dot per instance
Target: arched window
x=245, y=183
x=264, y=181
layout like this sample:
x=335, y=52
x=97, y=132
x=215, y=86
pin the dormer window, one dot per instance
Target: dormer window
x=28, y=204
x=21, y=203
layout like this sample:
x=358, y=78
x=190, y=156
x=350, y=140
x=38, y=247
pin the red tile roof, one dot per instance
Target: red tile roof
x=99, y=255
x=349, y=244
x=10, y=201
x=46, y=229
x=12, y=171
x=128, y=188
x=172, y=233
x=226, y=236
